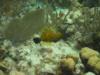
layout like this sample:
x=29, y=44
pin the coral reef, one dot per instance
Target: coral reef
x=37, y=59
x=84, y=29
x=68, y=43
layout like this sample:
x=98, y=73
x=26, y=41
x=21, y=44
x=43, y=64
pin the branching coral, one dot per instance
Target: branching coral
x=89, y=27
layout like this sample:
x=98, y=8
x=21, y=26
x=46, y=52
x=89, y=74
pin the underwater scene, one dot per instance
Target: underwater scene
x=49, y=37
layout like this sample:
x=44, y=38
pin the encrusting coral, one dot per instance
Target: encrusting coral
x=67, y=65
x=91, y=59
x=86, y=53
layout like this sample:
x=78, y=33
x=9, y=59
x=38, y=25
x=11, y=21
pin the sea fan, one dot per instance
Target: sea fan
x=22, y=29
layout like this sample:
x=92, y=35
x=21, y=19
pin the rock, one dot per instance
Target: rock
x=9, y=62
x=2, y=53
x=89, y=73
x=15, y=72
x=46, y=73
x=3, y=66
x=1, y=72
